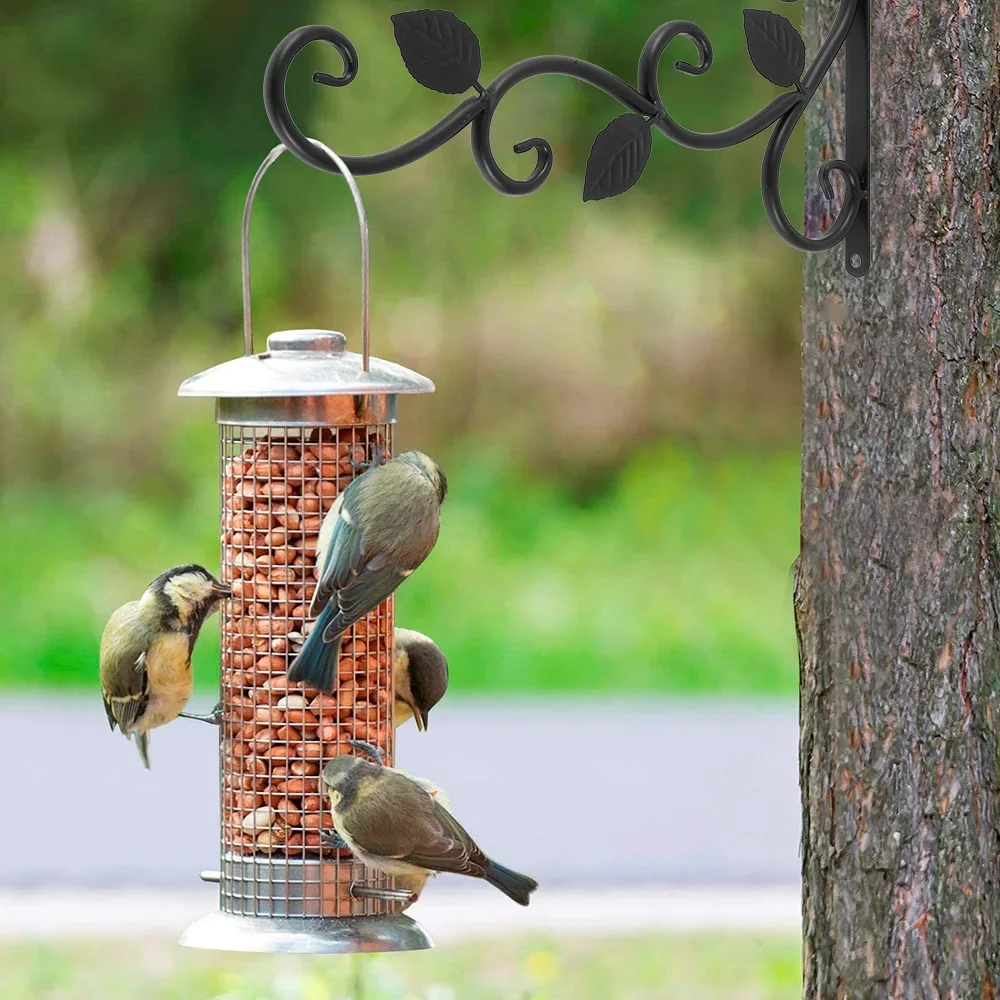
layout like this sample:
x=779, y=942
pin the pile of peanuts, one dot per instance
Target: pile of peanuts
x=276, y=735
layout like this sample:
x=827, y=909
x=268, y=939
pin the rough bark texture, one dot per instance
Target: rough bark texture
x=897, y=583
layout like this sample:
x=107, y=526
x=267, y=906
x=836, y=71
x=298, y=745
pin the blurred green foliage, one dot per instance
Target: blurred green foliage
x=674, y=579
x=617, y=381
x=663, y=967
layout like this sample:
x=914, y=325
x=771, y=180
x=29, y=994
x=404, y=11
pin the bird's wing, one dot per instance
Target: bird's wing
x=402, y=821
x=125, y=706
x=124, y=683
x=342, y=552
x=428, y=786
x=365, y=591
x=444, y=846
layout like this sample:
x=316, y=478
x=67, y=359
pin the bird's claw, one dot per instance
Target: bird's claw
x=333, y=840
x=370, y=749
x=378, y=458
x=213, y=718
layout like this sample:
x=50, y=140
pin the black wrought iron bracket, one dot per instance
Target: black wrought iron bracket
x=442, y=53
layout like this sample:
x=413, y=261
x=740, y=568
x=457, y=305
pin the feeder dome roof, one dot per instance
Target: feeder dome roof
x=304, y=363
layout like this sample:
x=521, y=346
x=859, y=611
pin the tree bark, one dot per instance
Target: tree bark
x=898, y=576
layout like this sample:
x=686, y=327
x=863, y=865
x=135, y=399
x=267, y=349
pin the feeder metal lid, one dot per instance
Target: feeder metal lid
x=304, y=363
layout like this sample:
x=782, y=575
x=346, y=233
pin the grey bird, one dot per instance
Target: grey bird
x=146, y=651
x=378, y=531
x=420, y=676
x=393, y=823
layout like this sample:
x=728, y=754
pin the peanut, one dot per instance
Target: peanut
x=325, y=453
x=301, y=470
x=259, y=819
x=302, y=717
x=290, y=813
x=271, y=840
x=288, y=517
x=308, y=503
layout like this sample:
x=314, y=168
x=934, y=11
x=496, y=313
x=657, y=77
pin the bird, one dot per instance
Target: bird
x=420, y=676
x=378, y=531
x=146, y=651
x=391, y=822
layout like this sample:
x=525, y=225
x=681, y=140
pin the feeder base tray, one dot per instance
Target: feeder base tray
x=307, y=935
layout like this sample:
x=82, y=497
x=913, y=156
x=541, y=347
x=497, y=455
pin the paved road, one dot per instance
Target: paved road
x=449, y=912
x=709, y=788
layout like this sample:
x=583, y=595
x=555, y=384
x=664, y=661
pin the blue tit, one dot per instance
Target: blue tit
x=420, y=676
x=379, y=530
x=390, y=822
x=146, y=651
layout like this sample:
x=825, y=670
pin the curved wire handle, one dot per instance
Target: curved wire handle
x=365, y=250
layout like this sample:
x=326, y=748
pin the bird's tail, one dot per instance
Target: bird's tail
x=316, y=664
x=142, y=745
x=513, y=884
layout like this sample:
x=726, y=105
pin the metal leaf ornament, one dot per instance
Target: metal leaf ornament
x=440, y=51
x=617, y=158
x=776, y=49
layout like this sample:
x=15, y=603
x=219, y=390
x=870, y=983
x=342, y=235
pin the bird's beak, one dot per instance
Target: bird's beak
x=421, y=720
x=220, y=589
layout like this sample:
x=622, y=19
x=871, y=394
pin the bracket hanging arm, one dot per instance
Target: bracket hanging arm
x=442, y=53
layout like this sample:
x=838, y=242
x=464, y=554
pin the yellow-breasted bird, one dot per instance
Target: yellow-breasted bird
x=146, y=651
x=379, y=530
x=390, y=822
x=420, y=676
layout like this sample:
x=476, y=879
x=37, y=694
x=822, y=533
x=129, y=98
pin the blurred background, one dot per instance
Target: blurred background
x=617, y=403
x=617, y=381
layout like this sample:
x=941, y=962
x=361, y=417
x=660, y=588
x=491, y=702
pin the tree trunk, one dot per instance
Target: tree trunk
x=897, y=580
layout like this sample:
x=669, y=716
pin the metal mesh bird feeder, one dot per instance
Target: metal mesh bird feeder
x=297, y=423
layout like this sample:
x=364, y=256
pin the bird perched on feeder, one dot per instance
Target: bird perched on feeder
x=378, y=531
x=420, y=676
x=146, y=651
x=391, y=822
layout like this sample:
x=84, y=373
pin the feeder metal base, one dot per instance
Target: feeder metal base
x=307, y=935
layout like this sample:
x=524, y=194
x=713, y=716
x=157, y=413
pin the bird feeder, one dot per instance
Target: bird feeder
x=297, y=423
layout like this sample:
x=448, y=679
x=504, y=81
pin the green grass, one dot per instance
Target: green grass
x=618, y=968
x=674, y=578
